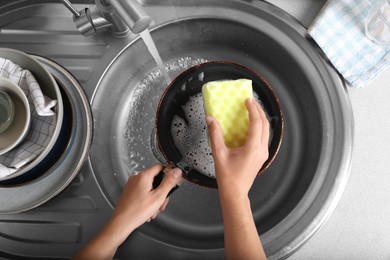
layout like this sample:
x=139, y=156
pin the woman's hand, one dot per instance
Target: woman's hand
x=236, y=168
x=138, y=203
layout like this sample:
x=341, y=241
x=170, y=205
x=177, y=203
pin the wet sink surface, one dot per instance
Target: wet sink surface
x=301, y=187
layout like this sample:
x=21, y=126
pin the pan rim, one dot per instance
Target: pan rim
x=189, y=71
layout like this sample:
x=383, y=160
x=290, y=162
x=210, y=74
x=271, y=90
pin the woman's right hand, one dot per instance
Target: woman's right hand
x=236, y=168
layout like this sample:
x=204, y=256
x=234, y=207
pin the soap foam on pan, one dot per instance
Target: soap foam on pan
x=140, y=121
x=192, y=139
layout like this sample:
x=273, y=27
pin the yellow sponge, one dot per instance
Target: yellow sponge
x=225, y=100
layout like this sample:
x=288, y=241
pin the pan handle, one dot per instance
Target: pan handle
x=159, y=177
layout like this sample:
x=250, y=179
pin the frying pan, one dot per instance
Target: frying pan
x=188, y=84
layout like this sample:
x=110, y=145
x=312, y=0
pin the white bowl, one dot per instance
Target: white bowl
x=49, y=87
x=20, y=125
x=7, y=111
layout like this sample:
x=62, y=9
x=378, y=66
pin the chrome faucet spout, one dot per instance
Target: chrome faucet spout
x=120, y=16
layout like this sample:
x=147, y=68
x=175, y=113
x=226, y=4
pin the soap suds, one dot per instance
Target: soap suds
x=192, y=139
x=142, y=110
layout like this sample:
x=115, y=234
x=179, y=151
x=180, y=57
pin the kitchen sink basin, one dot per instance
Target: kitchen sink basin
x=290, y=201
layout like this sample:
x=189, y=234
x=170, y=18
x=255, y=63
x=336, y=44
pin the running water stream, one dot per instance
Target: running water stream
x=150, y=85
x=145, y=35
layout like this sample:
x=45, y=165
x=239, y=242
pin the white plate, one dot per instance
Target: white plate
x=21, y=122
x=49, y=87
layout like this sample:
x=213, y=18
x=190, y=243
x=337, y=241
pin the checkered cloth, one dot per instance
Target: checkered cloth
x=43, y=119
x=339, y=29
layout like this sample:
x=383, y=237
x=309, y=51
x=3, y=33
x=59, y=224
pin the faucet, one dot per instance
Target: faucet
x=120, y=17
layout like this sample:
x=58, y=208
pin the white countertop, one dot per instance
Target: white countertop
x=359, y=228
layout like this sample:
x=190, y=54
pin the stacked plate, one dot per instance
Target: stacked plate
x=53, y=170
x=37, y=132
x=15, y=115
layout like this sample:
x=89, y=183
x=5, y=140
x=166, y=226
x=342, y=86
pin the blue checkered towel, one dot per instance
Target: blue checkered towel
x=339, y=29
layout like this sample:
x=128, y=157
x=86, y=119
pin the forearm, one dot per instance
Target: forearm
x=105, y=243
x=136, y=205
x=241, y=238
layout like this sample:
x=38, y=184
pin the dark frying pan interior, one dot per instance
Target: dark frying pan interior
x=174, y=99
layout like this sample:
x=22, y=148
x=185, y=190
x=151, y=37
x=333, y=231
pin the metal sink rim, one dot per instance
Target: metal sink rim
x=340, y=93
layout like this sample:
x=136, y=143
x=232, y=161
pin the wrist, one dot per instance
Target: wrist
x=232, y=190
x=120, y=227
x=233, y=196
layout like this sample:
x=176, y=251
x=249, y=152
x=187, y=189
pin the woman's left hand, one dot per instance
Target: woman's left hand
x=138, y=204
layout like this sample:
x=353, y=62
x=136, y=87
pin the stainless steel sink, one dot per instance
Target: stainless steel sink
x=290, y=201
